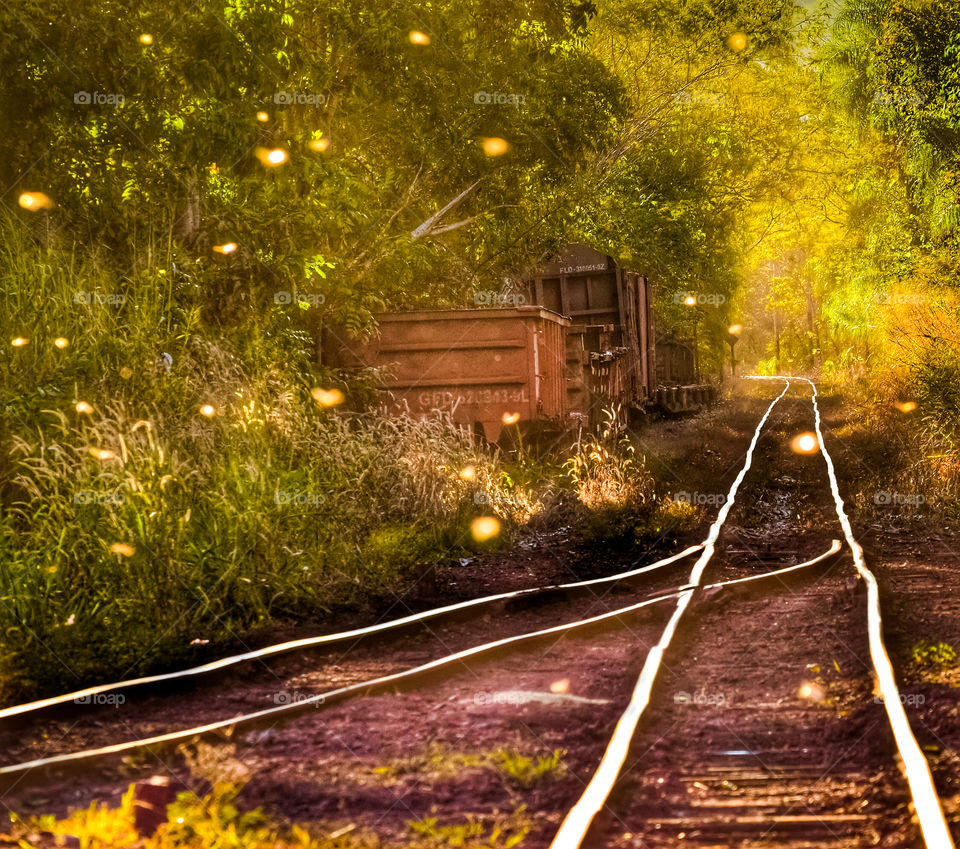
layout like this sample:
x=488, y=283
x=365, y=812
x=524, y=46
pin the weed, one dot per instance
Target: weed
x=527, y=772
x=934, y=654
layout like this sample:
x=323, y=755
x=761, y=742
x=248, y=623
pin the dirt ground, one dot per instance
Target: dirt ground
x=763, y=730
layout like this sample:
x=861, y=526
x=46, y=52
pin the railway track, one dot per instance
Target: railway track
x=738, y=794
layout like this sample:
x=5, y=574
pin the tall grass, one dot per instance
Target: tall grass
x=167, y=479
x=133, y=525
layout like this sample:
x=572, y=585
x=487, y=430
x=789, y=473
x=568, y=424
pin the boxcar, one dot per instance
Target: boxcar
x=615, y=354
x=487, y=367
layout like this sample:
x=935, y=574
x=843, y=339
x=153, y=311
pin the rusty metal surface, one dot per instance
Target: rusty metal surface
x=610, y=308
x=479, y=365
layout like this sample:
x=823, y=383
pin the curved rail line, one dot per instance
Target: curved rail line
x=361, y=687
x=926, y=802
x=326, y=639
x=577, y=822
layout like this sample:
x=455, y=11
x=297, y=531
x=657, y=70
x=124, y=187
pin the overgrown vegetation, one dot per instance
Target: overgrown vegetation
x=215, y=822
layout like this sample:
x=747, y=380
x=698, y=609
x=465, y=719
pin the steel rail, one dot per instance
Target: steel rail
x=359, y=688
x=326, y=639
x=926, y=801
x=573, y=830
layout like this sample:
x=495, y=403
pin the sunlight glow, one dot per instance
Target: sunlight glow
x=319, y=145
x=83, y=408
x=735, y=329
x=102, y=454
x=805, y=443
x=510, y=418
x=226, y=248
x=269, y=158
x=123, y=549
x=690, y=301
x=263, y=117
x=484, y=528
x=419, y=38
x=208, y=410
x=468, y=473
x=905, y=406
x=61, y=342
x=19, y=342
x=737, y=42
x=495, y=146
x=327, y=397
x=35, y=200
x=146, y=38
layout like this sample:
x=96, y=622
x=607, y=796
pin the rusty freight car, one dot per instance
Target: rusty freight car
x=615, y=353
x=486, y=367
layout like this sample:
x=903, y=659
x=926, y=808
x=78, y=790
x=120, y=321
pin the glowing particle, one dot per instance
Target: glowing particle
x=225, y=248
x=737, y=42
x=468, y=473
x=484, y=528
x=905, y=406
x=61, y=342
x=102, y=454
x=146, y=38
x=271, y=158
x=263, y=117
x=84, y=408
x=123, y=549
x=421, y=39
x=811, y=692
x=735, y=329
x=510, y=418
x=321, y=145
x=35, y=200
x=690, y=301
x=805, y=443
x=561, y=686
x=71, y=619
x=208, y=410
x=327, y=397
x=495, y=146
x=19, y=342
x=126, y=373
